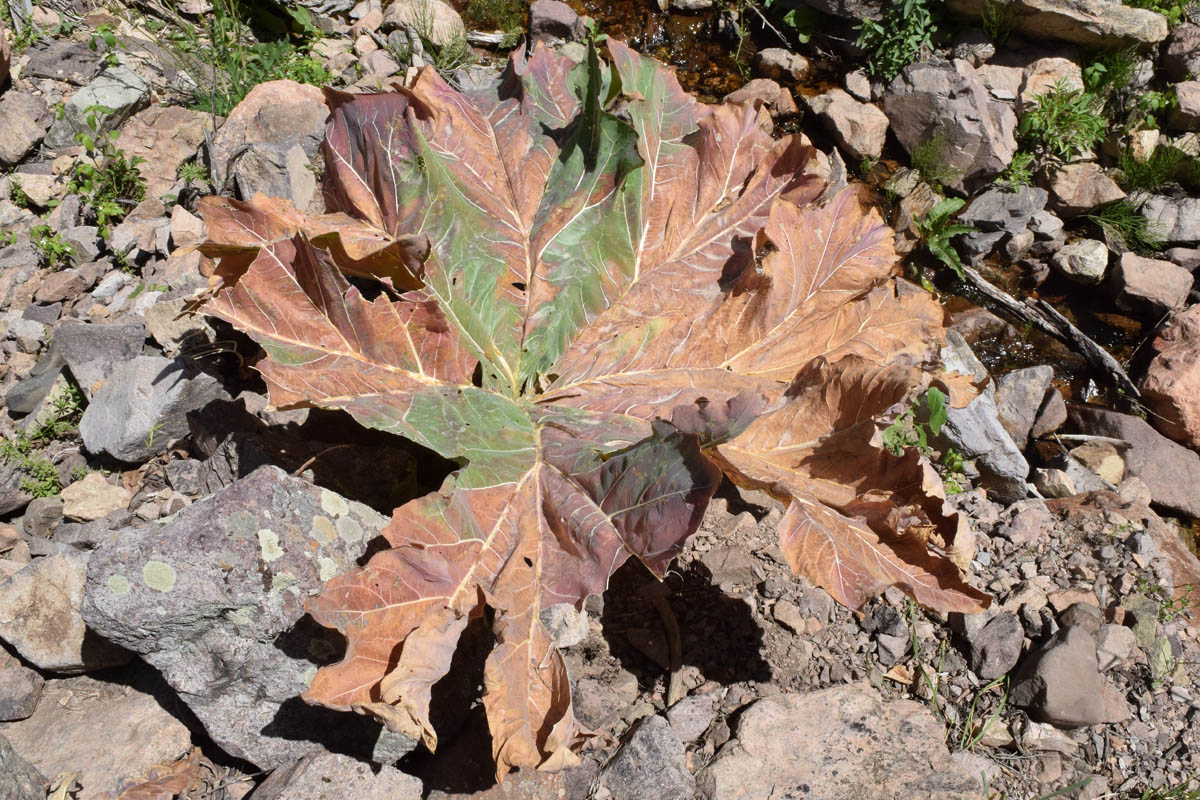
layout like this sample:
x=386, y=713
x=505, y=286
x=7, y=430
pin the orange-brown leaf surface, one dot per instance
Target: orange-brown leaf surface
x=596, y=295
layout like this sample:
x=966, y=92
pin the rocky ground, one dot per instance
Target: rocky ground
x=163, y=526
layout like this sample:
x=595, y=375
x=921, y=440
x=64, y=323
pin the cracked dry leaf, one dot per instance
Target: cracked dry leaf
x=596, y=295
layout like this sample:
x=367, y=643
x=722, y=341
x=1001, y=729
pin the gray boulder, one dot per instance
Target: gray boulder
x=22, y=125
x=118, y=88
x=1019, y=396
x=1093, y=23
x=652, y=763
x=998, y=210
x=91, y=352
x=142, y=406
x=213, y=599
x=840, y=742
x=19, y=780
x=1060, y=682
x=945, y=103
x=976, y=432
x=1178, y=217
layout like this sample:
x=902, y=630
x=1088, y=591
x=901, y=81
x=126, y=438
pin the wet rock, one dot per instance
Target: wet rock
x=330, y=776
x=1150, y=286
x=1179, y=217
x=1171, y=472
x=553, y=21
x=997, y=210
x=652, y=763
x=993, y=641
x=1051, y=416
x=20, y=689
x=1079, y=187
x=93, y=498
x=166, y=136
x=437, y=21
x=944, y=101
x=883, y=750
x=1181, y=52
x=23, y=123
x=40, y=617
x=268, y=142
x=1019, y=396
x=19, y=780
x=1083, y=261
x=1060, y=681
x=109, y=732
x=119, y=89
x=1185, y=116
x=213, y=597
x=781, y=64
x=1093, y=23
x=143, y=406
x=860, y=129
x=1171, y=388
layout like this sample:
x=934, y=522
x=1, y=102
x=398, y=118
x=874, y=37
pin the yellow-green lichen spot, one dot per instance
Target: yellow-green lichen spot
x=158, y=575
x=333, y=503
x=118, y=584
x=323, y=530
x=268, y=544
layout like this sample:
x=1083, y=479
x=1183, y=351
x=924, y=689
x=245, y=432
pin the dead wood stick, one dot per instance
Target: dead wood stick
x=1047, y=318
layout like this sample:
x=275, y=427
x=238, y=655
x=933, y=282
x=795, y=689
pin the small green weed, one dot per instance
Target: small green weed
x=1108, y=71
x=55, y=252
x=1166, y=165
x=929, y=159
x=1174, y=10
x=1187, y=789
x=802, y=20
x=40, y=477
x=506, y=16
x=907, y=431
x=1063, y=123
x=106, y=36
x=1018, y=173
x=107, y=179
x=16, y=193
x=904, y=36
x=997, y=18
x=192, y=172
x=936, y=230
x=1126, y=227
x=7, y=238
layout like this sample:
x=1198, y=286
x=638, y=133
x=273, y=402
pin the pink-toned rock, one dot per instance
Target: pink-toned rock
x=1149, y=285
x=1043, y=75
x=1186, y=114
x=186, y=228
x=860, y=129
x=59, y=286
x=165, y=136
x=1171, y=388
x=368, y=24
x=1079, y=187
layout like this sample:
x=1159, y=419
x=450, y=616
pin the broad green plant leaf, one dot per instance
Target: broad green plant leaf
x=597, y=296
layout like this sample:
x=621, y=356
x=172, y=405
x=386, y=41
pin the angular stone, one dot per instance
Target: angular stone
x=93, y=498
x=20, y=689
x=781, y=64
x=1171, y=388
x=1092, y=23
x=19, y=780
x=40, y=618
x=1081, y=186
x=435, y=20
x=976, y=432
x=108, y=732
x=1114, y=645
x=1101, y=458
x=691, y=716
x=1060, y=682
x=212, y=599
x=166, y=136
x=1171, y=472
x=118, y=88
x=1044, y=74
x=652, y=763
x=92, y=351
x=1083, y=261
x=1185, y=116
x=1051, y=416
x=860, y=129
x=837, y=743
x=143, y=406
x=21, y=126
x=993, y=642
x=552, y=20
x=331, y=776
x=1178, y=217
x=1019, y=395
x=276, y=116
x=1181, y=53
x=941, y=101
x=998, y=210
x=62, y=60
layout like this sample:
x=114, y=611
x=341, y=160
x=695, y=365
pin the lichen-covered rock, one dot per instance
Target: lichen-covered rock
x=212, y=598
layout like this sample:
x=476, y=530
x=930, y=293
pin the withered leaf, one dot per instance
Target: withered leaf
x=596, y=295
